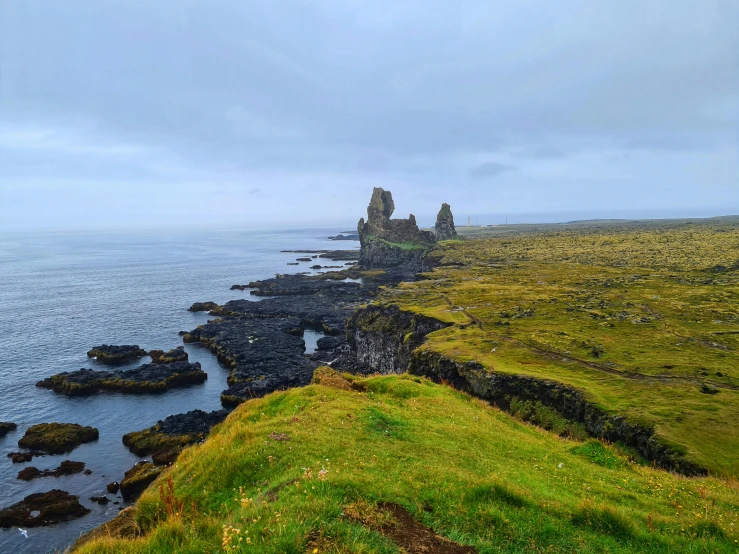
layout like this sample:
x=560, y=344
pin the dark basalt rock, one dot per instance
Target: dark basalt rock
x=302, y=259
x=113, y=487
x=444, y=228
x=6, y=427
x=102, y=500
x=57, y=438
x=175, y=355
x=348, y=236
x=67, y=467
x=136, y=479
x=111, y=354
x=262, y=355
x=389, y=242
x=44, y=508
x=20, y=457
x=148, y=378
x=165, y=440
x=202, y=307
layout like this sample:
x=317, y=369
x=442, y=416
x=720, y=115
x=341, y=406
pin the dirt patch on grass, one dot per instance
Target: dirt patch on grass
x=397, y=524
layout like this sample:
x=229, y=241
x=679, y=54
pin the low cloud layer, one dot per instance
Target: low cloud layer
x=233, y=112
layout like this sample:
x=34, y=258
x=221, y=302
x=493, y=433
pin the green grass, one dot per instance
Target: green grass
x=472, y=473
x=639, y=318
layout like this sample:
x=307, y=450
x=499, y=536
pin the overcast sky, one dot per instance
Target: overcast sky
x=240, y=112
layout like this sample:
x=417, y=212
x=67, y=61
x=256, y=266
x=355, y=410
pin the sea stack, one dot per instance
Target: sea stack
x=389, y=242
x=444, y=228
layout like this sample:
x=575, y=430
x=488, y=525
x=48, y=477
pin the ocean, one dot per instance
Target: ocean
x=61, y=294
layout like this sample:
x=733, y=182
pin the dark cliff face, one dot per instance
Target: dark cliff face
x=389, y=242
x=386, y=340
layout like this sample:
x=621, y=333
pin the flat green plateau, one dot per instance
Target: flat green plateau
x=643, y=319
x=304, y=471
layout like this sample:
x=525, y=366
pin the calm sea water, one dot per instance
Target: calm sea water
x=62, y=294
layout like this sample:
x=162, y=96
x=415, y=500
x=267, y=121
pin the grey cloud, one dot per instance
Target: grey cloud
x=354, y=92
x=490, y=169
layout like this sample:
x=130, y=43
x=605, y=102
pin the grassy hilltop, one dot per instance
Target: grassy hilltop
x=337, y=467
x=644, y=319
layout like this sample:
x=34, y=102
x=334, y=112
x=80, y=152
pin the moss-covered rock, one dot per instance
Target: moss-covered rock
x=148, y=378
x=112, y=354
x=136, y=479
x=6, y=427
x=67, y=467
x=174, y=355
x=43, y=508
x=165, y=440
x=57, y=438
x=202, y=307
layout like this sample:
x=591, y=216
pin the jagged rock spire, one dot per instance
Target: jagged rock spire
x=444, y=228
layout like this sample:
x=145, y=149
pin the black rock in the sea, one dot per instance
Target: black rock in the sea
x=202, y=307
x=113, y=487
x=6, y=427
x=165, y=440
x=174, y=355
x=444, y=228
x=43, y=508
x=20, y=457
x=57, y=438
x=111, y=354
x=345, y=236
x=67, y=467
x=102, y=500
x=148, y=378
x=136, y=479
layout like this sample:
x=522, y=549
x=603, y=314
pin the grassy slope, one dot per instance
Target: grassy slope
x=639, y=318
x=471, y=472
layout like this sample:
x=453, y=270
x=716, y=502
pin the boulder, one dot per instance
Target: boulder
x=20, y=457
x=113, y=487
x=174, y=355
x=57, y=438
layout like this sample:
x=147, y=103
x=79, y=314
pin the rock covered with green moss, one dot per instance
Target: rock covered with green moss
x=57, y=438
x=43, y=508
x=136, y=479
x=165, y=440
x=174, y=355
x=148, y=378
x=444, y=228
x=111, y=354
x=67, y=467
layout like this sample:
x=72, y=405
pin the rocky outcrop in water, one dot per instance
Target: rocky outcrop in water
x=165, y=440
x=67, y=467
x=389, y=242
x=57, y=438
x=444, y=228
x=111, y=354
x=136, y=479
x=148, y=378
x=202, y=307
x=43, y=508
x=20, y=457
x=175, y=355
x=6, y=427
